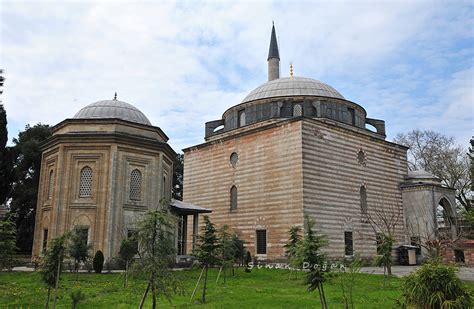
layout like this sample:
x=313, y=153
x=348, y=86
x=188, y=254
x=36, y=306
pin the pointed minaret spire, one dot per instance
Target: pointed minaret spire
x=115, y=96
x=273, y=57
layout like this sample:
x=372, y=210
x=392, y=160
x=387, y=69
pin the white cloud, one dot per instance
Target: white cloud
x=185, y=64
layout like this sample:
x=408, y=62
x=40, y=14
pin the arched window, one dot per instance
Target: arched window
x=135, y=185
x=297, y=110
x=85, y=182
x=363, y=201
x=233, y=198
x=50, y=184
x=164, y=187
x=242, y=118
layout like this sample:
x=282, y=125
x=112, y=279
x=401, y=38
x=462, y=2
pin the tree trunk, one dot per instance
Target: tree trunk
x=324, y=296
x=142, y=302
x=57, y=280
x=125, y=283
x=46, y=305
x=204, y=287
x=320, y=297
x=389, y=270
x=153, y=290
x=225, y=274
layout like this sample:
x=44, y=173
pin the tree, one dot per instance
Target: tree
x=51, y=265
x=207, y=251
x=177, y=190
x=309, y=252
x=78, y=248
x=6, y=163
x=155, y=235
x=7, y=243
x=291, y=247
x=226, y=250
x=435, y=285
x=98, y=262
x=128, y=250
x=347, y=280
x=439, y=155
x=76, y=297
x=384, y=217
x=26, y=154
x=239, y=249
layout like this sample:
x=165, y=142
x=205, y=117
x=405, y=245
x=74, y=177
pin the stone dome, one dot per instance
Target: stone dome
x=112, y=109
x=296, y=86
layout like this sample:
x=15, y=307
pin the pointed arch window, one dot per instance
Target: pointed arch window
x=233, y=198
x=363, y=201
x=50, y=184
x=85, y=182
x=135, y=185
x=297, y=110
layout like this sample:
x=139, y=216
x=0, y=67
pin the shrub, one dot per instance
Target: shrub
x=435, y=285
x=98, y=262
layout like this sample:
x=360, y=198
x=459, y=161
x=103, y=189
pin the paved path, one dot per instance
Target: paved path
x=465, y=273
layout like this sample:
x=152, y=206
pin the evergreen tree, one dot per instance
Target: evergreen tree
x=6, y=164
x=128, y=250
x=239, y=249
x=26, y=154
x=309, y=252
x=291, y=247
x=7, y=243
x=98, y=262
x=226, y=250
x=51, y=265
x=155, y=235
x=207, y=251
x=78, y=249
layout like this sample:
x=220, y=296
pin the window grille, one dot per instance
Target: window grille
x=261, y=241
x=45, y=239
x=297, y=110
x=51, y=185
x=233, y=198
x=85, y=182
x=348, y=243
x=135, y=185
x=363, y=201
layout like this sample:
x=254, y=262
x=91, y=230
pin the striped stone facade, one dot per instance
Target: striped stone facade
x=290, y=168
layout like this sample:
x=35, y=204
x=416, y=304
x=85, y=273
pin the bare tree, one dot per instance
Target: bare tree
x=384, y=217
x=440, y=155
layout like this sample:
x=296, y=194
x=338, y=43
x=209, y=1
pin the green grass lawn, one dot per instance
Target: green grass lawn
x=262, y=288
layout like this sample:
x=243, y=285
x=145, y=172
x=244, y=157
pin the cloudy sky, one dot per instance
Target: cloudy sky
x=408, y=62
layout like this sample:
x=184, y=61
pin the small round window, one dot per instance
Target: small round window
x=234, y=157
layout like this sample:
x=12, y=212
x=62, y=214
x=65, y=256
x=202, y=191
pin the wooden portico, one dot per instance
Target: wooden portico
x=182, y=211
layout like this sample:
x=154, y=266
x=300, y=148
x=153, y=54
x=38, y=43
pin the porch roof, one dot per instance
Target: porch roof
x=184, y=208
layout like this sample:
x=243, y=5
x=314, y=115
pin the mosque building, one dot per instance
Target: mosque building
x=293, y=148
x=296, y=147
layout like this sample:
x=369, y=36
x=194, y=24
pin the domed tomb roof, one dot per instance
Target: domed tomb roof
x=422, y=176
x=112, y=109
x=296, y=86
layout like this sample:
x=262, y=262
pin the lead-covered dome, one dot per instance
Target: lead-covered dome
x=112, y=109
x=295, y=86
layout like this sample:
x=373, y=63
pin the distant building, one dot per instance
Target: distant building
x=295, y=147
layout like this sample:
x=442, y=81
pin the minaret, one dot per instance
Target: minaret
x=273, y=58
